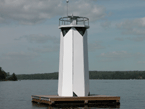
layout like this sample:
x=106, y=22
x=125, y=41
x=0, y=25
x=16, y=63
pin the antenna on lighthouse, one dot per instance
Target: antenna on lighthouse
x=67, y=1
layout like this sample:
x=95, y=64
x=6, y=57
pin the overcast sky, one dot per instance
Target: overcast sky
x=29, y=34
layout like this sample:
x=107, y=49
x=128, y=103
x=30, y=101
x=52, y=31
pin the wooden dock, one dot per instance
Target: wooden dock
x=95, y=99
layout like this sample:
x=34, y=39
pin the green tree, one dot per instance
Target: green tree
x=13, y=77
x=2, y=74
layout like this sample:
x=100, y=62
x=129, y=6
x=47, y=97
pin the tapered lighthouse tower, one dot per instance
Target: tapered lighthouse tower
x=73, y=59
x=73, y=66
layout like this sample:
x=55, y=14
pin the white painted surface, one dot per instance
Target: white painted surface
x=60, y=65
x=64, y=26
x=78, y=77
x=73, y=65
x=86, y=66
x=67, y=65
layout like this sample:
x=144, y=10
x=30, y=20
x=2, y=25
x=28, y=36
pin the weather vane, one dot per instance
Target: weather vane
x=67, y=6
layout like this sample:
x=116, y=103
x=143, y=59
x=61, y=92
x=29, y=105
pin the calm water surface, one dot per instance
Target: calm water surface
x=17, y=94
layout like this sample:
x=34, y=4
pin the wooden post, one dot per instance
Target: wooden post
x=51, y=102
x=86, y=102
x=117, y=101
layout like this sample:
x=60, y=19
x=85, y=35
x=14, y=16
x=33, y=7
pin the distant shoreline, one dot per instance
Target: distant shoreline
x=8, y=80
x=92, y=75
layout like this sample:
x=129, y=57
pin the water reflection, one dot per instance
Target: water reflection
x=77, y=106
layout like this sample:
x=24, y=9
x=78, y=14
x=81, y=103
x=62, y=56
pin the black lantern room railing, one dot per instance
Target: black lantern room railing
x=74, y=20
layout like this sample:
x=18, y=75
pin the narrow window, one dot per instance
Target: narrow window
x=65, y=30
x=81, y=30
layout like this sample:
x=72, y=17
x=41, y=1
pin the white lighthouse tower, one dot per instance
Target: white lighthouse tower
x=73, y=60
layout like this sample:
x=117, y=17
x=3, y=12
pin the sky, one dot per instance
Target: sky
x=30, y=37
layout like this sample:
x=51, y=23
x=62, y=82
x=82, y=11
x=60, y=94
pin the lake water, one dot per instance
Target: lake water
x=17, y=94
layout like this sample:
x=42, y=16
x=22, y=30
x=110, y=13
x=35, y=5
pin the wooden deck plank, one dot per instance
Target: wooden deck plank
x=49, y=99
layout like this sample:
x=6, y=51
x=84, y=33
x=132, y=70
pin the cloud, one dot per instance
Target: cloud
x=29, y=11
x=119, y=38
x=45, y=49
x=39, y=38
x=119, y=55
x=115, y=54
x=137, y=39
x=35, y=11
x=106, y=24
x=95, y=45
x=141, y=62
x=133, y=27
x=129, y=24
x=21, y=62
x=19, y=56
x=88, y=9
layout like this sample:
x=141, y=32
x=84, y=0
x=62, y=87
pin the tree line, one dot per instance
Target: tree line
x=5, y=76
x=92, y=75
x=117, y=74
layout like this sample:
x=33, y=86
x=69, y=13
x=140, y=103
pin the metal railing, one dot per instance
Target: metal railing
x=78, y=20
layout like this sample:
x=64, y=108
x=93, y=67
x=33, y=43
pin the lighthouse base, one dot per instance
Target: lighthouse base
x=55, y=100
